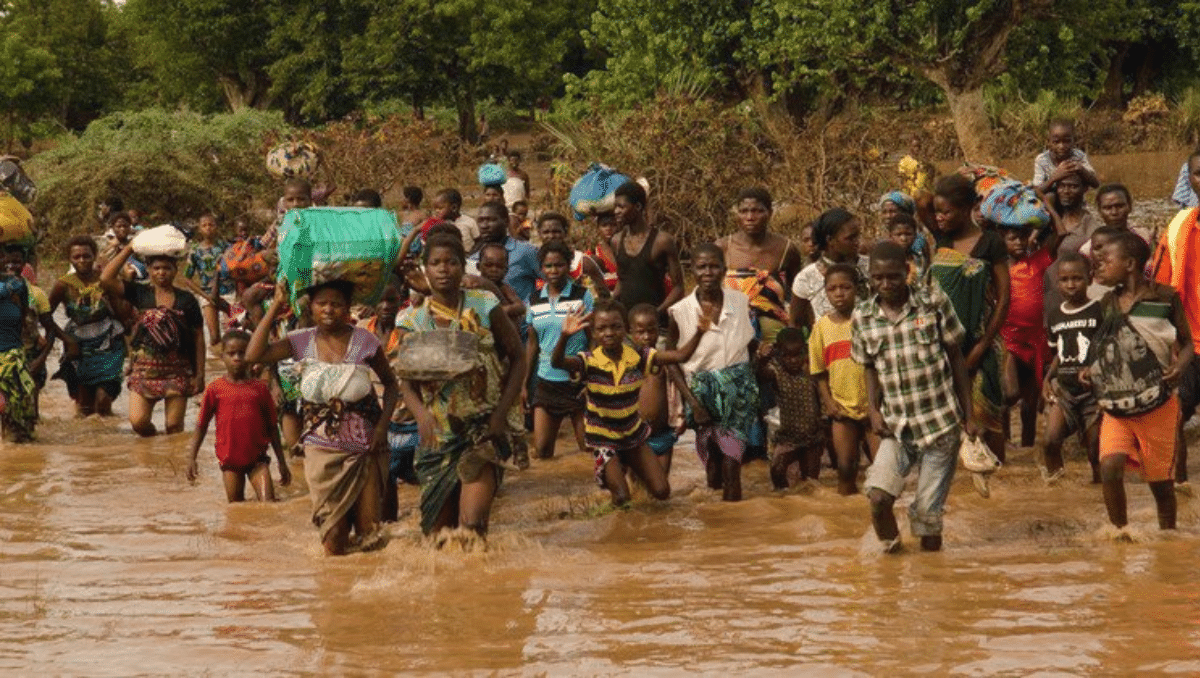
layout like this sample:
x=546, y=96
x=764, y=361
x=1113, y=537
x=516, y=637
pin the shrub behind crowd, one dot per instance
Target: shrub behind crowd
x=168, y=164
x=697, y=153
x=387, y=153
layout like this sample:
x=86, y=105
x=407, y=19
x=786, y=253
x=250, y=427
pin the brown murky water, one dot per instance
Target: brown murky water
x=114, y=565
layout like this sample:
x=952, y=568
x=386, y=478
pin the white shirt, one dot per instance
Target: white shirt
x=726, y=343
x=469, y=229
x=809, y=284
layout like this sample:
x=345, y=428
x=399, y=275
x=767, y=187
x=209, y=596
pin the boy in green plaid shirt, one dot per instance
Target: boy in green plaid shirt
x=908, y=339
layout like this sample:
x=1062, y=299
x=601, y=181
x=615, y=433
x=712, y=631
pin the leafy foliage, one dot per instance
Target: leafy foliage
x=171, y=165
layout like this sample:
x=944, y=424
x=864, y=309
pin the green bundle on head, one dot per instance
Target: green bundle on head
x=322, y=244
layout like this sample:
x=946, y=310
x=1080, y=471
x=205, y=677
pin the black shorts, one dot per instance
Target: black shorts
x=558, y=398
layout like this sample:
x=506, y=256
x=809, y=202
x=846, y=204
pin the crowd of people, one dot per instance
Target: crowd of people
x=982, y=295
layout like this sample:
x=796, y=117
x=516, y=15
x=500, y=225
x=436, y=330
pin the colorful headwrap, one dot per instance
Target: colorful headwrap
x=985, y=177
x=901, y=200
x=1014, y=205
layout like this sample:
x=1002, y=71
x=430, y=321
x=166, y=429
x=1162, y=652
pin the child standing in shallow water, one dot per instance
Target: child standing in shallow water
x=652, y=403
x=800, y=436
x=907, y=338
x=840, y=380
x=1145, y=333
x=246, y=424
x=1072, y=405
x=613, y=376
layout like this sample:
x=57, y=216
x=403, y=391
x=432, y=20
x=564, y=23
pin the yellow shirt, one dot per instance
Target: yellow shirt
x=829, y=351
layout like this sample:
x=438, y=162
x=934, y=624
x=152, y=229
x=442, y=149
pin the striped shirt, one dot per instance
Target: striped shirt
x=909, y=355
x=545, y=316
x=613, y=387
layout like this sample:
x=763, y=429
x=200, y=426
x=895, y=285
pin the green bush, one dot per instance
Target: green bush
x=1024, y=123
x=169, y=164
x=1185, y=118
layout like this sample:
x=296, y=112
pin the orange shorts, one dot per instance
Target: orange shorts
x=1147, y=440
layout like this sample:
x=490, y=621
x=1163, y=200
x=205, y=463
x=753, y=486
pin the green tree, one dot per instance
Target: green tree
x=75, y=33
x=30, y=78
x=191, y=47
x=462, y=51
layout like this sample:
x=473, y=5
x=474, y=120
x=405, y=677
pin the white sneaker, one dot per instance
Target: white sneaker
x=893, y=546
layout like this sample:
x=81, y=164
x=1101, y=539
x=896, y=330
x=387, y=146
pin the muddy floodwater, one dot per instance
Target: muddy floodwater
x=114, y=565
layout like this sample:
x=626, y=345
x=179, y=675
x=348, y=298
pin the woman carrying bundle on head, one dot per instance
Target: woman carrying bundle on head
x=345, y=428
x=167, y=359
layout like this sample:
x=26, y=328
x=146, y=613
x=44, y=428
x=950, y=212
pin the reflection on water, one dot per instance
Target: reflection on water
x=114, y=565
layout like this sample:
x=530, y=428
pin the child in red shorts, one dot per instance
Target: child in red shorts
x=1134, y=362
x=246, y=424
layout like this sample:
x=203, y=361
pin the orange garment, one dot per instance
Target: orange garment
x=1175, y=265
x=1147, y=440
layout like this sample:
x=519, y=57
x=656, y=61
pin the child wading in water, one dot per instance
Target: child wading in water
x=722, y=398
x=555, y=395
x=907, y=338
x=613, y=376
x=1142, y=347
x=246, y=425
x=801, y=433
x=202, y=275
x=1072, y=405
x=842, y=381
x=652, y=403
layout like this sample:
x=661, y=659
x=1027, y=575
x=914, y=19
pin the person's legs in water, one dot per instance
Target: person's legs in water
x=545, y=432
x=235, y=485
x=647, y=469
x=1092, y=436
x=1112, y=475
x=885, y=481
x=714, y=470
x=614, y=481
x=103, y=400
x=731, y=471
x=848, y=436
x=260, y=480
x=174, y=411
x=1029, y=390
x=1165, y=503
x=938, y=463
x=1056, y=434
x=783, y=455
x=368, y=507
x=475, y=503
x=140, y=412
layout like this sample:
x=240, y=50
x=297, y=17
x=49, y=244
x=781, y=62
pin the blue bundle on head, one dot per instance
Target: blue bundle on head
x=594, y=193
x=1014, y=205
x=901, y=200
x=491, y=174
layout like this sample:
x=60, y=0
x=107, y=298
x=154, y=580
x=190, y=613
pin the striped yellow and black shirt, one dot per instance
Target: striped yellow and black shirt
x=613, y=387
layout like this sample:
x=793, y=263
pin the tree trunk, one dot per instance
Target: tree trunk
x=971, y=124
x=464, y=101
x=1113, y=94
x=242, y=94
